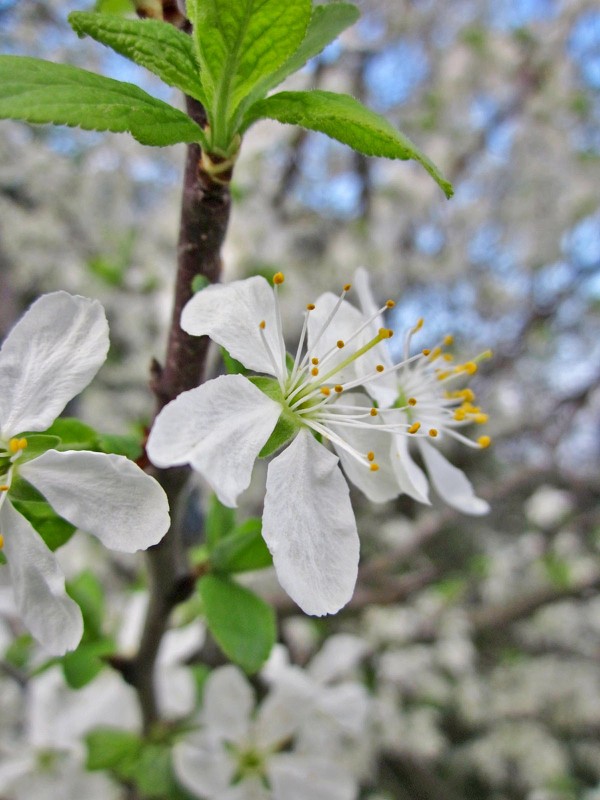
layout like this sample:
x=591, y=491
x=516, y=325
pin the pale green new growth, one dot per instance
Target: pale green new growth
x=345, y=119
x=41, y=92
x=238, y=44
x=157, y=46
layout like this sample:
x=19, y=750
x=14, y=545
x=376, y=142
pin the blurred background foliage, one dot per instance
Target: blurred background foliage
x=484, y=633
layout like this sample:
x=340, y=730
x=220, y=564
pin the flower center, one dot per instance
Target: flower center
x=9, y=454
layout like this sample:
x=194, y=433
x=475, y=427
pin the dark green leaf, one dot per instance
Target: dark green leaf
x=345, y=119
x=243, y=625
x=232, y=366
x=239, y=42
x=43, y=92
x=87, y=592
x=73, y=434
x=326, y=24
x=38, y=443
x=54, y=530
x=241, y=550
x=155, y=45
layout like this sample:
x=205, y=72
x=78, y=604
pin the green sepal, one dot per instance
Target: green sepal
x=37, y=443
x=40, y=92
x=242, y=624
x=343, y=118
x=199, y=282
x=241, y=550
x=54, y=530
x=126, y=444
x=288, y=423
x=232, y=366
x=155, y=45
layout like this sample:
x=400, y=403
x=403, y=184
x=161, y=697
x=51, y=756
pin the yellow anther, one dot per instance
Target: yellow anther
x=314, y=371
x=468, y=394
x=4, y=487
x=373, y=412
x=448, y=340
x=374, y=467
x=379, y=367
x=486, y=354
x=347, y=287
x=338, y=388
x=412, y=401
x=448, y=357
x=278, y=278
x=433, y=432
x=325, y=390
x=414, y=427
x=481, y=418
x=435, y=353
x=470, y=367
x=460, y=414
x=310, y=307
x=314, y=361
x=1, y=541
x=426, y=351
x=340, y=343
x=385, y=333
x=14, y=445
x=262, y=325
x=484, y=441
x=389, y=304
x=442, y=374
x=418, y=325
x=371, y=455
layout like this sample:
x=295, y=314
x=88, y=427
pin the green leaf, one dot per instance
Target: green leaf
x=326, y=24
x=345, y=119
x=43, y=92
x=128, y=445
x=238, y=43
x=54, y=530
x=243, y=625
x=82, y=665
x=155, y=45
x=220, y=520
x=241, y=550
x=73, y=434
x=111, y=748
x=232, y=366
x=87, y=592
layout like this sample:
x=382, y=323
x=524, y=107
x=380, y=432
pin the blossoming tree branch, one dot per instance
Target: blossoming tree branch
x=336, y=408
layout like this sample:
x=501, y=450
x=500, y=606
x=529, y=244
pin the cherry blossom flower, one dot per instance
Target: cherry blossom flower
x=237, y=753
x=426, y=401
x=222, y=427
x=50, y=355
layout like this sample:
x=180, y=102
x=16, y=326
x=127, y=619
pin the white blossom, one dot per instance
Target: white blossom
x=50, y=355
x=425, y=401
x=237, y=753
x=222, y=427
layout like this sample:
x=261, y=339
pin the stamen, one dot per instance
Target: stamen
x=371, y=455
x=340, y=344
x=325, y=390
x=389, y=304
x=310, y=307
x=14, y=445
x=418, y=325
x=433, y=432
x=278, y=278
x=414, y=427
x=314, y=372
x=262, y=325
x=4, y=487
x=374, y=467
x=448, y=340
x=1, y=541
x=267, y=346
x=373, y=412
x=314, y=361
x=484, y=441
x=338, y=388
x=379, y=367
x=412, y=401
x=426, y=351
x=347, y=287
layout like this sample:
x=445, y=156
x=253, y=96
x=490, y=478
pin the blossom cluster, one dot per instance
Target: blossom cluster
x=341, y=387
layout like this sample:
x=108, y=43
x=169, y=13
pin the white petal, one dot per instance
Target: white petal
x=203, y=766
x=228, y=704
x=338, y=656
x=50, y=355
x=362, y=286
x=39, y=585
x=219, y=428
x=231, y=314
x=347, y=704
x=309, y=527
x=410, y=476
x=106, y=495
x=451, y=483
x=378, y=486
x=291, y=775
x=284, y=710
x=248, y=789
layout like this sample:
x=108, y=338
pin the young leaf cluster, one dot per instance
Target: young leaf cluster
x=238, y=51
